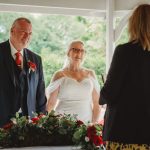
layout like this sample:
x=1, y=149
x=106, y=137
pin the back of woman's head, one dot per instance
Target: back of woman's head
x=139, y=26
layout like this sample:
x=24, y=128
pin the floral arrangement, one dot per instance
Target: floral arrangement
x=50, y=130
x=31, y=65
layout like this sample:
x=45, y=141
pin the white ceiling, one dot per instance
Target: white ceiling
x=69, y=7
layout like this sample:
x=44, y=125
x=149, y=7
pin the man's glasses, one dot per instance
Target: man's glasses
x=77, y=50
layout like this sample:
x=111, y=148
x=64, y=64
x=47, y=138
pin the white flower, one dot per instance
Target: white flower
x=87, y=139
x=100, y=132
x=14, y=120
x=40, y=125
x=30, y=121
x=90, y=124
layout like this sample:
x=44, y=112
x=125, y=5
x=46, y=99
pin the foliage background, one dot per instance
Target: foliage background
x=53, y=33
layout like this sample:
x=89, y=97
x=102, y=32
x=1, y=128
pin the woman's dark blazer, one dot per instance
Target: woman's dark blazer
x=127, y=95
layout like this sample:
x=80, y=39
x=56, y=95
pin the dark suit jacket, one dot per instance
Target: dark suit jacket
x=36, y=100
x=127, y=95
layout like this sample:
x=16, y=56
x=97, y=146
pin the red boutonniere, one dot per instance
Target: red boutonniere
x=32, y=66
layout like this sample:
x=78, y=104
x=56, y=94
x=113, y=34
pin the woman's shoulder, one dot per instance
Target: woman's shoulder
x=90, y=72
x=126, y=50
x=93, y=78
x=127, y=46
x=58, y=75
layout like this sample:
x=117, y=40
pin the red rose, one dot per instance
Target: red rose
x=97, y=140
x=91, y=131
x=79, y=122
x=8, y=125
x=35, y=120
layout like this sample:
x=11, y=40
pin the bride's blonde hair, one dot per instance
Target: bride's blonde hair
x=72, y=43
x=66, y=62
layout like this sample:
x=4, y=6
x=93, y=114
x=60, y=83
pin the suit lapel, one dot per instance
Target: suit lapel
x=26, y=68
x=30, y=77
x=9, y=62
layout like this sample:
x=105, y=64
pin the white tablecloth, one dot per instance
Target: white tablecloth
x=46, y=148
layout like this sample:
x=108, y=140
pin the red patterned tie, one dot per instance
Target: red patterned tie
x=18, y=59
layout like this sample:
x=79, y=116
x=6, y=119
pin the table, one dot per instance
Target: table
x=45, y=148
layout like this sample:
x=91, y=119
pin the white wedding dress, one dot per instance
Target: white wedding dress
x=75, y=97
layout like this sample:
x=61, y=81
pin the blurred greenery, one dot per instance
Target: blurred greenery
x=124, y=37
x=53, y=33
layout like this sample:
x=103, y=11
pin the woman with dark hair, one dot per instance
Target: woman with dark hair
x=126, y=90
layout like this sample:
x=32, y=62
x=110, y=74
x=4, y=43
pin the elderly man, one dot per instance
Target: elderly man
x=22, y=87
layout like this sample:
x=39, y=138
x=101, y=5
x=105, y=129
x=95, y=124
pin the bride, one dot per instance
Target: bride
x=74, y=89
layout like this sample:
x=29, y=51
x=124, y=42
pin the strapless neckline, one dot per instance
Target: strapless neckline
x=75, y=97
x=78, y=81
